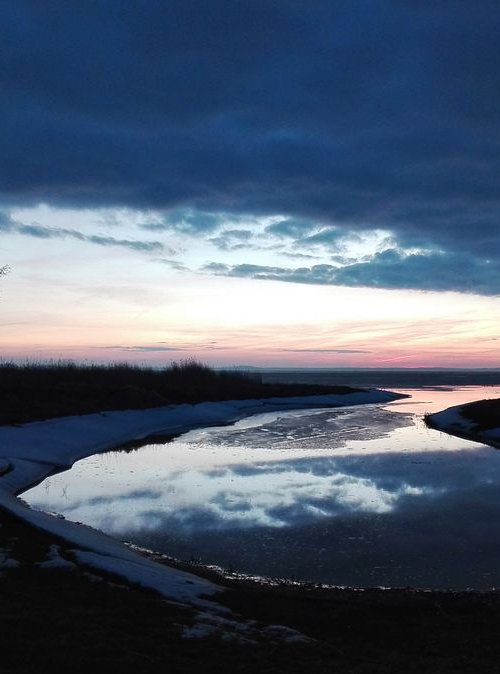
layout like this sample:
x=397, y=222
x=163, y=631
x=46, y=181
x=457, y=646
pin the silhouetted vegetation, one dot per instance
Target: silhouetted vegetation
x=36, y=391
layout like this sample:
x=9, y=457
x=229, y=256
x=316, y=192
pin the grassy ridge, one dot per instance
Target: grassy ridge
x=42, y=391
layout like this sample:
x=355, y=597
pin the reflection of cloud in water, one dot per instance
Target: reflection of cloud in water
x=232, y=502
x=361, y=507
x=277, y=494
x=128, y=497
x=282, y=493
x=413, y=495
x=135, y=494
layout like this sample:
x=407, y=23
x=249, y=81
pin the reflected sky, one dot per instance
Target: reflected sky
x=357, y=496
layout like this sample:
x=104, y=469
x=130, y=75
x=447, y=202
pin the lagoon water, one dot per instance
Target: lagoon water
x=361, y=496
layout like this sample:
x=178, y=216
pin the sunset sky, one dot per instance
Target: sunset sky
x=257, y=182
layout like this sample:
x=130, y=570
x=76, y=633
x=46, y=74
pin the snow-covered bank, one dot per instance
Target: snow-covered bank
x=35, y=450
x=452, y=421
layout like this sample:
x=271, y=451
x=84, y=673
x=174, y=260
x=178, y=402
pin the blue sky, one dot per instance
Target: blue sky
x=262, y=182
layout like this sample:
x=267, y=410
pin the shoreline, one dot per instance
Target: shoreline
x=53, y=596
x=453, y=422
x=31, y=452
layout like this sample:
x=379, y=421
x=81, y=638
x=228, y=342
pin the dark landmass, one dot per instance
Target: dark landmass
x=76, y=619
x=72, y=620
x=484, y=413
x=386, y=377
x=39, y=391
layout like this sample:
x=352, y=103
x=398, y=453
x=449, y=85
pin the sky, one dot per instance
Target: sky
x=272, y=183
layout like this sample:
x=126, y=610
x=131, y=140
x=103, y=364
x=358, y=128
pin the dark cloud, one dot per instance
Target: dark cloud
x=289, y=228
x=330, y=236
x=161, y=347
x=151, y=349
x=8, y=225
x=309, y=236
x=360, y=115
x=186, y=221
x=217, y=268
x=300, y=256
x=142, y=349
x=438, y=271
x=232, y=239
x=173, y=264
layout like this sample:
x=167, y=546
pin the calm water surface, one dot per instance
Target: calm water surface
x=358, y=496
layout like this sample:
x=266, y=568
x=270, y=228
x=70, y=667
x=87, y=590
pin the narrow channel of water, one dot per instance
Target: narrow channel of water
x=362, y=496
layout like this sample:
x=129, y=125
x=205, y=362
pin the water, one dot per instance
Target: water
x=362, y=496
x=387, y=378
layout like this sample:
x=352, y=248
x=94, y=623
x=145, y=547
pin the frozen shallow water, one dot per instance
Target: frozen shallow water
x=355, y=496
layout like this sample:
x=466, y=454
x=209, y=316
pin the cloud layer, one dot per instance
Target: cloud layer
x=389, y=269
x=374, y=115
x=8, y=225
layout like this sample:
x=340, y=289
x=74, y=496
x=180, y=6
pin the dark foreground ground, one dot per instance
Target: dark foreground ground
x=70, y=620
x=56, y=619
x=484, y=413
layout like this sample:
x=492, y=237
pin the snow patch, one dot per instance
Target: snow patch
x=284, y=633
x=55, y=561
x=451, y=420
x=35, y=450
x=9, y=563
x=31, y=452
x=169, y=582
x=249, y=632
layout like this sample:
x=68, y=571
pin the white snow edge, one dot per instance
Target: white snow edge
x=451, y=420
x=37, y=449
